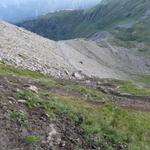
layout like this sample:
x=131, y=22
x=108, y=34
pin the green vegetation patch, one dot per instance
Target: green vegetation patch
x=32, y=139
x=126, y=44
x=5, y=69
x=131, y=88
x=17, y=114
x=107, y=125
x=146, y=78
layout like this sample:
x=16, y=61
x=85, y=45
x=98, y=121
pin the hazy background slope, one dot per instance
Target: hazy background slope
x=126, y=22
x=17, y=10
x=126, y=19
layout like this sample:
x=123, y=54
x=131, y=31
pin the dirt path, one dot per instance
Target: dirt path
x=139, y=103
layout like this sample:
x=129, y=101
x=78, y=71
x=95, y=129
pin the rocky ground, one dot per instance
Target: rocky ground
x=17, y=122
x=68, y=59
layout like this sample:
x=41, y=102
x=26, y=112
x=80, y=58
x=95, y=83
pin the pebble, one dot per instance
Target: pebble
x=21, y=101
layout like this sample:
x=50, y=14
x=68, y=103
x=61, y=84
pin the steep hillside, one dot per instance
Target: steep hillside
x=58, y=25
x=117, y=16
x=37, y=112
x=68, y=59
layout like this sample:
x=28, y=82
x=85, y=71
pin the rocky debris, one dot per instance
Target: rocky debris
x=52, y=136
x=63, y=59
x=78, y=75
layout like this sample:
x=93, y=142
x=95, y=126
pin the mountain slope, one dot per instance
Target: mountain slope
x=63, y=59
x=123, y=18
x=57, y=25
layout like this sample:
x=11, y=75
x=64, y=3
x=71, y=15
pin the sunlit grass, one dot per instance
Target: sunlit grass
x=109, y=123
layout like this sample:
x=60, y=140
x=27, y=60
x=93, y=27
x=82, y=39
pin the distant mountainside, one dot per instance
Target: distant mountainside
x=127, y=20
x=20, y=10
x=57, y=26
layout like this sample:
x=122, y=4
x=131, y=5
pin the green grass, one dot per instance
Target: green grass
x=21, y=117
x=17, y=114
x=86, y=91
x=131, y=88
x=126, y=44
x=31, y=139
x=105, y=125
x=109, y=124
x=146, y=78
x=5, y=69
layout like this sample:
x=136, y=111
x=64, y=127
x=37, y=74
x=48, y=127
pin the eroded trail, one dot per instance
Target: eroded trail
x=76, y=89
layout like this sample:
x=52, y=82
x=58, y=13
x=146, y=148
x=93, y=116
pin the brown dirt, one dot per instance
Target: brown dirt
x=60, y=133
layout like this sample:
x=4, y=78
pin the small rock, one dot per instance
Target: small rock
x=22, y=101
x=10, y=102
x=11, y=99
x=18, y=90
x=4, y=107
x=125, y=94
x=62, y=144
x=99, y=83
x=77, y=75
x=87, y=81
x=33, y=88
x=93, y=147
x=81, y=62
x=47, y=115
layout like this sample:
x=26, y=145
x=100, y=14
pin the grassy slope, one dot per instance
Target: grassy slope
x=66, y=24
x=58, y=25
x=110, y=125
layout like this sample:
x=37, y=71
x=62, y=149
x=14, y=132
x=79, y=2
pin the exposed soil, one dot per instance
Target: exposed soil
x=60, y=133
x=128, y=101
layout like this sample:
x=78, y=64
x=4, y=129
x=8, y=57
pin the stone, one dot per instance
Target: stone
x=33, y=88
x=21, y=101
